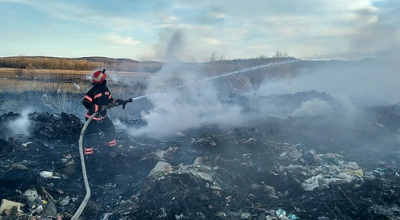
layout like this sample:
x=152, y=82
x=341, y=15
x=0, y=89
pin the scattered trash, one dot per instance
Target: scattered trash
x=216, y=188
x=50, y=211
x=181, y=216
x=244, y=173
x=280, y=213
x=33, y=198
x=249, y=140
x=46, y=174
x=77, y=86
x=39, y=209
x=65, y=201
x=7, y=206
x=245, y=216
x=105, y=216
x=26, y=144
x=161, y=169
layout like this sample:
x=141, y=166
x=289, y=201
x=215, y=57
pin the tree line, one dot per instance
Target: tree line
x=88, y=63
x=91, y=63
x=24, y=62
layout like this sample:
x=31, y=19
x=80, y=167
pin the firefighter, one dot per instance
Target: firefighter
x=96, y=100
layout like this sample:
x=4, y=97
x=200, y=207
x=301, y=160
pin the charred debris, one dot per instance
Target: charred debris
x=279, y=168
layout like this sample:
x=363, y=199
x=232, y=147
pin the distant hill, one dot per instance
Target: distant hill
x=79, y=63
x=212, y=68
x=107, y=60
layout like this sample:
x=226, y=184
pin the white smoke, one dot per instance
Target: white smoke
x=312, y=108
x=366, y=83
x=21, y=125
x=351, y=84
x=186, y=107
x=119, y=126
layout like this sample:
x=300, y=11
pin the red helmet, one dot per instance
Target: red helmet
x=98, y=77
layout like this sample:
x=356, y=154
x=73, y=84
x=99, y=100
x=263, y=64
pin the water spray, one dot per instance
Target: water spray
x=220, y=76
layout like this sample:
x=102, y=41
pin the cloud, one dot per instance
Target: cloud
x=226, y=28
x=115, y=39
x=86, y=13
x=374, y=30
x=342, y=26
x=185, y=26
x=216, y=15
x=19, y=1
x=261, y=46
x=212, y=41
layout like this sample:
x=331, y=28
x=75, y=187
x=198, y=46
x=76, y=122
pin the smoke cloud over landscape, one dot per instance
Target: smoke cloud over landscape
x=364, y=82
x=352, y=85
x=184, y=107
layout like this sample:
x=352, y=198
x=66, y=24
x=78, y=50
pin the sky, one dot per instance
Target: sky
x=141, y=29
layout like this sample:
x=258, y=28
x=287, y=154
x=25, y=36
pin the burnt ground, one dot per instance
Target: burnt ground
x=308, y=167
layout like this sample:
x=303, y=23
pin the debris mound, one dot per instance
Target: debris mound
x=44, y=126
x=281, y=168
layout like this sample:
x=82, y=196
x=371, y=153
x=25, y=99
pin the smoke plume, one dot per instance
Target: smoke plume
x=185, y=107
x=312, y=108
x=21, y=125
x=368, y=82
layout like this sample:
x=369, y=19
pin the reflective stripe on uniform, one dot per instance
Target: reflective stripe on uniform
x=88, y=150
x=96, y=118
x=98, y=96
x=107, y=93
x=96, y=108
x=112, y=143
x=109, y=97
x=88, y=98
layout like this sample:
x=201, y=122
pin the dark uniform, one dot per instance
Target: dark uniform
x=94, y=101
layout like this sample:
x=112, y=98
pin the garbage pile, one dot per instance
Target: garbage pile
x=42, y=125
x=261, y=172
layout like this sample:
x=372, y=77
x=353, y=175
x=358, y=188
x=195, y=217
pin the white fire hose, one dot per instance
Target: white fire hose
x=85, y=179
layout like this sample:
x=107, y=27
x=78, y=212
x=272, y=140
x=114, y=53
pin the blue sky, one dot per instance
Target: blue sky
x=142, y=29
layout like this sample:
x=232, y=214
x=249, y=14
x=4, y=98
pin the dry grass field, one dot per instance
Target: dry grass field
x=20, y=80
x=71, y=81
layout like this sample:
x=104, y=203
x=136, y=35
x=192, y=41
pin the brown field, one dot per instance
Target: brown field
x=4, y=72
x=20, y=80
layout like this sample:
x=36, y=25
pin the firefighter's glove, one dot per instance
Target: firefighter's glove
x=108, y=106
x=119, y=102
